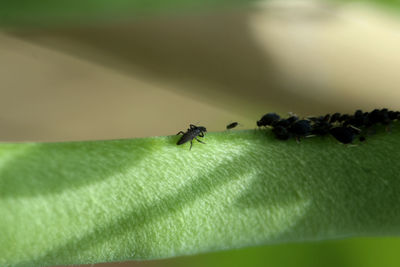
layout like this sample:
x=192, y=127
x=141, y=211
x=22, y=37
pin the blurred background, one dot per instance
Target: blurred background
x=73, y=70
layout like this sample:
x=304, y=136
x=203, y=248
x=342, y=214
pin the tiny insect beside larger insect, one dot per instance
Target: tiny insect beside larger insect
x=191, y=134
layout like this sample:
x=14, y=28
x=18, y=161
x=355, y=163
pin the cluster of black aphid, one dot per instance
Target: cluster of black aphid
x=344, y=127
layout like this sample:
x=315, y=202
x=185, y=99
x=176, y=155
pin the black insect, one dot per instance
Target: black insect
x=343, y=117
x=344, y=134
x=231, y=125
x=320, y=118
x=359, y=119
x=335, y=117
x=378, y=116
x=281, y=132
x=285, y=123
x=300, y=128
x=191, y=134
x=393, y=115
x=397, y=115
x=385, y=119
x=321, y=125
x=292, y=119
x=268, y=119
x=373, y=117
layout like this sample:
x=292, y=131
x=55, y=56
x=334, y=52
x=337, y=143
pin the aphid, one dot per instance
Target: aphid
x=282, y=123
x=268, y=119
x=379, y=116
x=343, y=127
x=320, y=118
x=344, y=134
x=321, y=125
x=281, y=132
x=384, y=116
x=300, y=128
x=231, y=125
x=357, y=120
x=335, y=117
x=373, y=116
x=393, y=115
x=367, y=122
x=281, y=127
x=314, y=119
x=191, y=134
x=343, y=118
x=397, y=115
x=286, y=123
x=292, y=119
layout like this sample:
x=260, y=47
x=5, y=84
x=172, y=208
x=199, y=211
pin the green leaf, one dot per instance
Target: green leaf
x=50, y=13
x=87, y=202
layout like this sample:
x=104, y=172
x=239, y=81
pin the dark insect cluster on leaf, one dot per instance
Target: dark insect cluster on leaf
x=343, y=127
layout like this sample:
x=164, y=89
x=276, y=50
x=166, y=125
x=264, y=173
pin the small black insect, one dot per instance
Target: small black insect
x=397, y=115
x=191, y=134
x=393, y=115
x=384, y=116
x=282, y=123
x=343, y=117
x=379, y=116
x=231, y=125
x=344, y=134
x=359, y=119
x=300, y=128
x=281, y=133
x=292, y=119
x=321, y=125
x=356, y=120
x=374, y=116
x=268, y=119
x=335, y=117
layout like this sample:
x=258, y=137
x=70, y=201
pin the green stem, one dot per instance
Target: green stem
x=86, y=202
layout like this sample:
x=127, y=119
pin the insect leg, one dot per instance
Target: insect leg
x=191, y=143
x=199, y=140
x=192, y=126
x=180, y=132
x=201, y=134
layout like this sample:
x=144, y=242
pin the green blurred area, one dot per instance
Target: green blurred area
x=356, y=252
x=368, y=252
x=48, y=13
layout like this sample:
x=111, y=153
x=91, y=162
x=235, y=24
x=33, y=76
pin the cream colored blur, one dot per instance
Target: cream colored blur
x=155, y=76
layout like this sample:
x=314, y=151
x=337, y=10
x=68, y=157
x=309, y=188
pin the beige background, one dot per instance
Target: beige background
x=155, y=76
